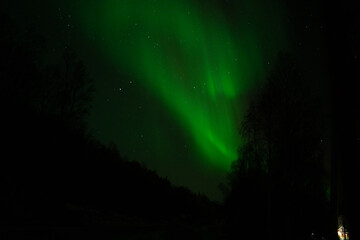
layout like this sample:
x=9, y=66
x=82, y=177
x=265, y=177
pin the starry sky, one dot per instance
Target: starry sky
x=173, y=78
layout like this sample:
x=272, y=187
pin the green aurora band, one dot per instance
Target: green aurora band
x=192, y=60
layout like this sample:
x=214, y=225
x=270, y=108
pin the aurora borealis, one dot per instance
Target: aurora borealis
x=189, y=60
x=184, y=62
x=156, y=118
x=172, y=77
x=195, y=61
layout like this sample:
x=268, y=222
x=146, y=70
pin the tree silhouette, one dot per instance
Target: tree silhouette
x=279, y=172
x=65, y=90
x=29, y=82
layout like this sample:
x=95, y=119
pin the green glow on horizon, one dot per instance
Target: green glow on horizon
x=189, y=58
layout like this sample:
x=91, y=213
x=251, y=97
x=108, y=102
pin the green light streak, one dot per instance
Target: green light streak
x=191, y=60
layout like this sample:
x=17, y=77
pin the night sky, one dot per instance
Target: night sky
x=187, y=73
x=172, y=77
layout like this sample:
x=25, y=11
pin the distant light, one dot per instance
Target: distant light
x=341, y=233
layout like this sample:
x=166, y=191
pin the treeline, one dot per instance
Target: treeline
x=52, y=172
x=279, y=188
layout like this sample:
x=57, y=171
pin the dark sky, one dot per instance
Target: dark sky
x=172, y=78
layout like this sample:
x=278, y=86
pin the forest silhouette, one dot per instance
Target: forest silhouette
x=279, y=182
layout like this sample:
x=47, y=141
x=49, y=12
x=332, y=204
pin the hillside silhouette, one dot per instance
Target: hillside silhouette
x=57, y=181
